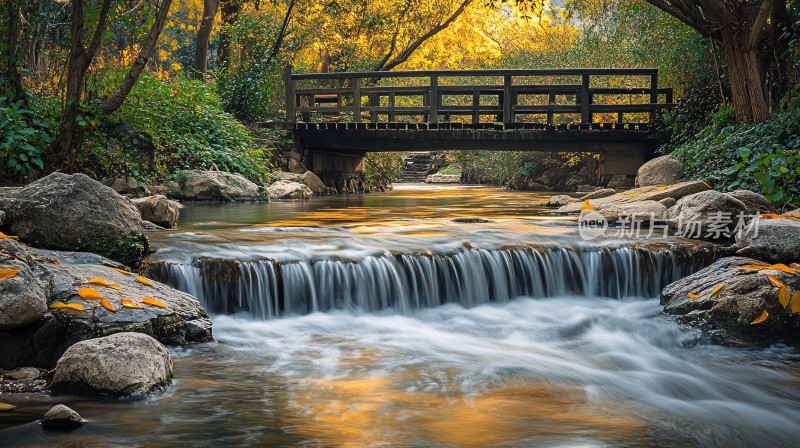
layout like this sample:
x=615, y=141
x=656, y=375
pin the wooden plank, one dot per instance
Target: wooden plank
x=391, y=110
x=586, y=117
x=356, y=83
x=435, y=98
x=476, y=73
x=653, y=96
x=507, y=99
x=476, y=104
x=552, y=102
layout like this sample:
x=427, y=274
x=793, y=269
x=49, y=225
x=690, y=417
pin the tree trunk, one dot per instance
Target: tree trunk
x=203, y=37
x=228, y=16
x=747, y=80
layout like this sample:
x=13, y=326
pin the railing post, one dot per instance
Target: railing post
x=433, y=116
x=356, y=83
x=476, y=104
x=291, y=117
x=551, y=101
x=653, y=97
x=508, y=99
x=586, y=116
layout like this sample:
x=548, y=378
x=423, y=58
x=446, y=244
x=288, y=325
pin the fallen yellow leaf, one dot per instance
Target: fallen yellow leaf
x=103, y=282
x=8, y=271
x=783, y=296
x=153, y=302
x=766, y=267
x=3, y=235
x=776, y=216
x=587, y=206
x=128, y=304
x=795, y=308
x=89, y=294
x=143, y=281
x=107, y=305
x=775, y=280
x=67, y=306
x=760, y=318
x=717, y=289
x=706, y=184
x=795, y=267
x=121, y=271
x=7, y=407
x=693, y=296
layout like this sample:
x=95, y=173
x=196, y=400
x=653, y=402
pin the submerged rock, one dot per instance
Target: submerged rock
x=284, y=189
x=560, y=200
x=123, y=364
x=196, y=185
x=74, y=212
x=707, y=215
x=773, y=240
x=60, y=417
x=159, y=210
x=663, y=170
x=675, y=191
x=730, y=315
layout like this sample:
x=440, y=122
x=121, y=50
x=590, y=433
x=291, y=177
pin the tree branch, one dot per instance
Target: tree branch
x=114, y=102
x=688, y=14
x=98, y=34
x=282, y=33
x=759, y=23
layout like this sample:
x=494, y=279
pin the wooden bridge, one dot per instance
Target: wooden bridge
x=610, y=111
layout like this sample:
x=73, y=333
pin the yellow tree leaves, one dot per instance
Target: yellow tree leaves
x=717, y=289
x=7, y=272
x=783, y=296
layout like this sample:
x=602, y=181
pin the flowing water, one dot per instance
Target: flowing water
x=391, y=320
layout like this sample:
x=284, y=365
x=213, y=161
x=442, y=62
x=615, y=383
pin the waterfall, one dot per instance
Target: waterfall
x=267, y=288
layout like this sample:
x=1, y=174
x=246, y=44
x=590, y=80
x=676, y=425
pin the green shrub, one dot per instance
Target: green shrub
x=24, y=139
x=382, y=168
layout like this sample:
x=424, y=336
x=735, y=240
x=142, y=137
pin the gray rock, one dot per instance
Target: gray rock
x=755, y=202
x=295, y=166
x=23, y=297
x=126, y=185
x=123, y=364
x=668, y=202
x=2, y=217
x=283, y=189
x=745, y=294
x=283, y=175
x=602, y=193
x=536, y=186
x=642, y=211
x=25, y=374
x=196, y=185
x=74, y=212
x=60, y=417
x=772, y=240
x=314, y=183
x=675, y=191
x=159, y=210
x=707, y=215
x=560, y=200
x=551, y=177
x=621, y=182
x=665, y=170
x=793, y=212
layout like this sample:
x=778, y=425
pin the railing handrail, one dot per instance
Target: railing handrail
x=492, y=72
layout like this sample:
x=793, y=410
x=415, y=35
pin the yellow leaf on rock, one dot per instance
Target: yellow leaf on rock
x=783, y=296
x=587, y=206
x=89, y=294
x=7, y=407
x=3, y=235
x=795, y=267
x=102, y=281
x=67, y=306
x=143, y=281
x=8, y=272
x=107, y=305
x=775, y=281
x=121, y=271
x=128, y=304
x=795, y=303
x=717, y=289
x=706, y=184
x=153, y=302
x=760, y=318
x=766, y=267
x=693, y=296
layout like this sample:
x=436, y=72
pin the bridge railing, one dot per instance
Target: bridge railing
x=353, y=97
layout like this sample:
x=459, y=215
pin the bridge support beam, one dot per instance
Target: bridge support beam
x=342, y=171
x=620, y=162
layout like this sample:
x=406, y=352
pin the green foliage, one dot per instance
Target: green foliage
x=450, y=169
x=170, y=125
x=382, y=168
x=24, y=138
x=763, y=157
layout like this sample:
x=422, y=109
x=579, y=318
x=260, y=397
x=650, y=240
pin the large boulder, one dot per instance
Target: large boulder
x=123, y=364
x=181, y=320
x=707, y=215
x=675, y=191
x=315, y=184
x=23, y=295
x=74, y=212
x=196, y=185
x=159, y=210
x=773, y=240
x=665, y=170
x=754, y=202
x=560, y=200
x=640, y=212
x=731, y=314
x=283, y=189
